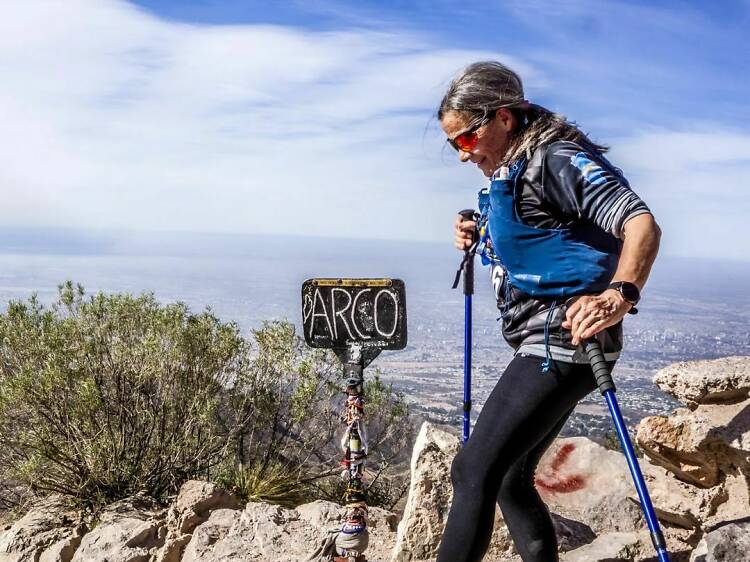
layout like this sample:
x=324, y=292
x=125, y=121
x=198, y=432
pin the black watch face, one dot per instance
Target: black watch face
x=630, y=292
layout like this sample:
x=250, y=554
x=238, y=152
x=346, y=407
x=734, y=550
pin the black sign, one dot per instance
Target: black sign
x=339, y=312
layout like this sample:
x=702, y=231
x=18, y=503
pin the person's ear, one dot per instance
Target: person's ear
x=505, y=117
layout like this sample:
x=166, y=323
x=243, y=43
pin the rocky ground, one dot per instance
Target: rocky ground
x=697, y=468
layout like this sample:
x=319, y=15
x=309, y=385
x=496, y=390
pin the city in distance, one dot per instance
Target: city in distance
x=691, y=308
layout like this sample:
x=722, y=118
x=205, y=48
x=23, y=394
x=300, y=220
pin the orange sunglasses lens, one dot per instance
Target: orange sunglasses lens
x=466, y=141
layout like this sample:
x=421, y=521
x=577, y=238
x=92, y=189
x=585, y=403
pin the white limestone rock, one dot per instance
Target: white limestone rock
x=701, y=446
x=132, y=530
x=430, y=495
x=713, y=381
x=728, y=543
x=193, y=506
x=45, y=524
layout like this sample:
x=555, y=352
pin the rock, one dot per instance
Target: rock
x=46, y=524
x=131, y=530
x=634, y=546
x=430, y=494
x=64, y=550
x=728, y=543
x=173, y=548
x=702, y=446
x=678, y=503
x=324, y=514
x=273, y=528
x=700, y=552
x=264, y=531
x=713, y=381
x=379, y=518
x=671, y=442
x=610, y=547
x=571, y=534
x=737, y=505
x=208, y=534
x=124, y=540
x=381, y=525
x=195, y=502
x=193, y=506
x=321, y=513
x=590, y=484
x=587, y=487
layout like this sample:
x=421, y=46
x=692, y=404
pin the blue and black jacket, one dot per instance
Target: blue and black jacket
x=553, y=231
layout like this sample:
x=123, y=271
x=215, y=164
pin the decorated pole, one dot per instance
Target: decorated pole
x=357, y=319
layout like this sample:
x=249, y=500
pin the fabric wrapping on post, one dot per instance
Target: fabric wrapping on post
x=337, y=542
x=327, y=549
x=352, y=541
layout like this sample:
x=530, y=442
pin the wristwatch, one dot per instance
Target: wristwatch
x=629, y=292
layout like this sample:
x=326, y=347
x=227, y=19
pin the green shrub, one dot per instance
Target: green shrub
x=110, y=396
x=105, y=396
x=273, y=484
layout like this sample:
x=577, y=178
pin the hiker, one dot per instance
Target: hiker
x=571, y=247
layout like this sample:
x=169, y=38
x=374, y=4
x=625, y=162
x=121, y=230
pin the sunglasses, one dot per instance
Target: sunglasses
x=466, y=141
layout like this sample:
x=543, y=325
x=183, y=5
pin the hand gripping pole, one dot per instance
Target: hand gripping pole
x=607, y=388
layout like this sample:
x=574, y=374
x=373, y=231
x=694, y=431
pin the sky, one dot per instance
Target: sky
x=317, y=118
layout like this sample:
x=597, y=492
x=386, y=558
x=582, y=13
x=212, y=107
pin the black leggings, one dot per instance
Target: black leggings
x=525, y=411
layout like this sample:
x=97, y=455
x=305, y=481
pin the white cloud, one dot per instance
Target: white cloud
x=115, y=118
x=696, y=184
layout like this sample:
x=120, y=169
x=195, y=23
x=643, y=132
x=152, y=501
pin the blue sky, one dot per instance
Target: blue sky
x=316, y=117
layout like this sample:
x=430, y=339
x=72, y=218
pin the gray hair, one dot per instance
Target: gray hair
x=484, y=87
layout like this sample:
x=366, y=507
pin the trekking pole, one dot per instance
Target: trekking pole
x=607, y=388
x=467, y=265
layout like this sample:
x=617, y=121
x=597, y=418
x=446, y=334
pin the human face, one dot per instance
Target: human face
x=492, y=137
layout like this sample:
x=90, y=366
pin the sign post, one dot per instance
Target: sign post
x=357, y=319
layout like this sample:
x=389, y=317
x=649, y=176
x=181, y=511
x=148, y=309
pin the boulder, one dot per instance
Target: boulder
x=430, y=495
x=64, y=549
x=678, y=503
x=592, y=487
x=131, y=530
x=193, y=506
x=321, y=513
x=728, y=543
x=700, y=551
x=324, y=514
x=608, y=547
x=590, y=484
x=264, y=531
x=210, y=533
x=588, y=489
x=701, y=446
x=196, y=501
x=723, y=380
x=46, y=524
x=571, y=534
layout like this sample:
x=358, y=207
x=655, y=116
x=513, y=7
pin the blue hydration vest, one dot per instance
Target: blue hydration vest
x=543, y=262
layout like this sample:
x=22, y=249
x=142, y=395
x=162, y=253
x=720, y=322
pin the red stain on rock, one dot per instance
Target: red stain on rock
x=553, y=481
